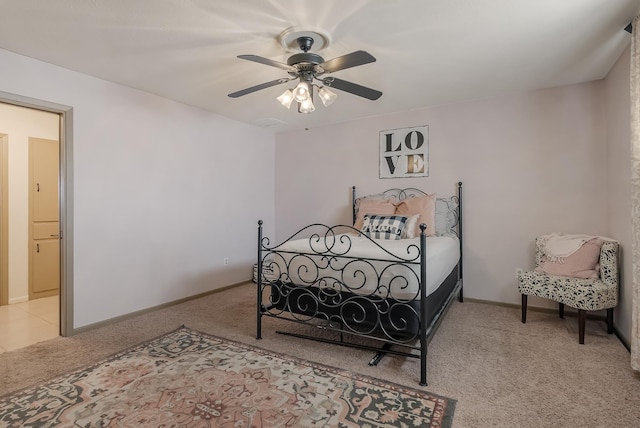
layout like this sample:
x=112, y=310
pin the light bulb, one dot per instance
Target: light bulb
x=286, y=98
x=301, y=92
x=327, y=96
x=307, y=106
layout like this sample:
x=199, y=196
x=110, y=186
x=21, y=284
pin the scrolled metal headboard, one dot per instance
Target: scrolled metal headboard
x=448, y=207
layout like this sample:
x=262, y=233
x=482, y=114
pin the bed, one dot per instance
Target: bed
x=382, y=284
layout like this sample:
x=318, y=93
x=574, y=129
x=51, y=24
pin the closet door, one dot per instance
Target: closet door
x=44, y=260
x=46, y=267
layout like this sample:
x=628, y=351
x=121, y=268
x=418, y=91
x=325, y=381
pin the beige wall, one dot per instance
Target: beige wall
x=163, y=192
x=531, y=164
x=20, y=124
x=617, y=102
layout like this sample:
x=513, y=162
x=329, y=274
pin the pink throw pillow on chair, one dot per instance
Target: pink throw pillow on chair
x=584, y=263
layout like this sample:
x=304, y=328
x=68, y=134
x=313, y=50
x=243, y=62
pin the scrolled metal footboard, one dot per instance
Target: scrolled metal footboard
x=325, y=286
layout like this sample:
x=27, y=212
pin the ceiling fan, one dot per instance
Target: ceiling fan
x=308, y=67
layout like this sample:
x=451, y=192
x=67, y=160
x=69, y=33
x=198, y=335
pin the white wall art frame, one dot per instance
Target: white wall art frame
x=404, y=152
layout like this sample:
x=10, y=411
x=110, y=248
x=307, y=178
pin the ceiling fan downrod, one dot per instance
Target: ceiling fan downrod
x=305, y=43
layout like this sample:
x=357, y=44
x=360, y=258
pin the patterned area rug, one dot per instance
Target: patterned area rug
x=191, y=379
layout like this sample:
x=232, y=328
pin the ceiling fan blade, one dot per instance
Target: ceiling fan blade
x=346, y=61
x=355, y=89
x=267, y=61
x=258, y=87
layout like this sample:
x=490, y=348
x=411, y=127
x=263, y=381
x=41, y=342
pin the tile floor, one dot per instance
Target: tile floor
x=25, y=323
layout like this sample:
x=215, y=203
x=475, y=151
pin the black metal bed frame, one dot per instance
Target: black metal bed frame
x=324, y=287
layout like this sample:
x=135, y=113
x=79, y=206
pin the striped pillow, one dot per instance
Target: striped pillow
x=383, y=226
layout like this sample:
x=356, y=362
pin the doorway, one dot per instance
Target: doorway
x=33, y=311
x=64, y=298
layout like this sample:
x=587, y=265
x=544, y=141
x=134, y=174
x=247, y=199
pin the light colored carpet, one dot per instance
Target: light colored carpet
x=502, y=372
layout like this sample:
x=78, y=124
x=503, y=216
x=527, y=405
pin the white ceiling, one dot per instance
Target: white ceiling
x=429, y=52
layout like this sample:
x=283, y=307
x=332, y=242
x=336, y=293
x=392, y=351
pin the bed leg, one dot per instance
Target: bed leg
x=259, y=285
x=423, y=305
x=259, y=317
x=460, y=296
x=259, y=326
x=259, y=308
x=423, y=369
x=524, y=308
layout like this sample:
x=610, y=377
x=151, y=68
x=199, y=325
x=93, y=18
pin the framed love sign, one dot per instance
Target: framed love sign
x=404, y=152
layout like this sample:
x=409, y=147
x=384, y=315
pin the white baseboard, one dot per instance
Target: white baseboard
x=18, y=300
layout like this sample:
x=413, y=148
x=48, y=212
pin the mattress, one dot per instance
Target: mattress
x=359, y=265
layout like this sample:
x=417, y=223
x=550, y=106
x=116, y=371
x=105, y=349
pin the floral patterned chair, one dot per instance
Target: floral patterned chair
x=582, y=294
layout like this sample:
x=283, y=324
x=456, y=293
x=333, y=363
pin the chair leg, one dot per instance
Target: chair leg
x=524, y=308
x=561, y=310
x=582, y=315
x=610, y=320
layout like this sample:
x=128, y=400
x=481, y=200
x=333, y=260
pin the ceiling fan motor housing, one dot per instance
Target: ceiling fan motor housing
x=305, y=61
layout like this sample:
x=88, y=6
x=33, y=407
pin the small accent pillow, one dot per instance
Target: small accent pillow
x=583, y=263
x=372, y=206
x=423, y=205
x=383, y=227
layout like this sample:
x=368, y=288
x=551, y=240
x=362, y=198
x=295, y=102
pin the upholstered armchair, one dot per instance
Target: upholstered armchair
x=583, y=294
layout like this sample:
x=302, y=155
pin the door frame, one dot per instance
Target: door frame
x=65, y=197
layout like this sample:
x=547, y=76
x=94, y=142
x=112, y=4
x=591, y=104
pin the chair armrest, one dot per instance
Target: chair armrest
x=609, y=263
x=540, y=243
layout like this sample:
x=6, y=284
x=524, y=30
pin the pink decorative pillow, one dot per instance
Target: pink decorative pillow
x=373, y=206
x=423, y=205
x=581, y=264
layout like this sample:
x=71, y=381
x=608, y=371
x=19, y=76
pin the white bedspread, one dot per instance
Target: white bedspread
x=354, y=264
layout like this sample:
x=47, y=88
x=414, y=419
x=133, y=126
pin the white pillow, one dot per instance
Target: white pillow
x=447, y=216
x=410, y=227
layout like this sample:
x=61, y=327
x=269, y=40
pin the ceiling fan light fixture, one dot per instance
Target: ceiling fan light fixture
x=307, y=106
x=327, y=96
x=286, y=98
x=302, y=92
